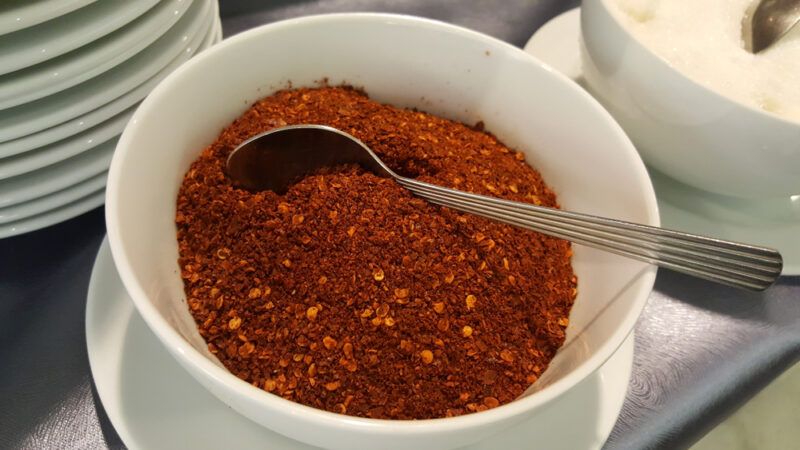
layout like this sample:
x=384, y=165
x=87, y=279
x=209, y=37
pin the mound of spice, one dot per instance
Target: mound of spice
x=351, y=295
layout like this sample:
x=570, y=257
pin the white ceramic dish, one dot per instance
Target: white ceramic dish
x=216, y=34
x=60, y=35
x=47, y=196
x=112, y=127
x=556, y=44
x=682, y=128
x=52, y=201
x=142, y=387
x=96, y=116
x=65, y=105
x=81, y=123
x=770, y=222
x=73, y=145
x=462, y=75
x=61, y=150
x=88, y=120
x=214, y=31
x=56, y=177
x=53, y=216
x=18, y=14
x=92, y=59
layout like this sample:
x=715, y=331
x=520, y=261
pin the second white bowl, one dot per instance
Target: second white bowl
x=682, y=128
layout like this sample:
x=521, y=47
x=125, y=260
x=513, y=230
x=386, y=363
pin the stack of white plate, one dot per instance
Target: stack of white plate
x=71, y=74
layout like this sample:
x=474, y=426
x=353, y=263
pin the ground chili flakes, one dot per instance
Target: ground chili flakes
x=351, y=295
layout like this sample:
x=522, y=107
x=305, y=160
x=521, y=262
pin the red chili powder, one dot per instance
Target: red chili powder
x=351, y=295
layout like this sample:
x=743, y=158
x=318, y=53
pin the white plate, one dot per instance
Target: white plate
x=18, y=14
x=56, y=177
x=88, y=120
x=82, y=123
x=78, y=143
x=61, y=150
x=54, y=216
x=773, y=223
x=90, y=60
x=154, y=404
x=55, y=200
x=213, y=32
x=65, y=33
x=68, y=104
x=215, y=35
x=78, y=168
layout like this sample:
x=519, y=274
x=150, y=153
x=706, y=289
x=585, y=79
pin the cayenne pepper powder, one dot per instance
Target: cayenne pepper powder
x=351, y=295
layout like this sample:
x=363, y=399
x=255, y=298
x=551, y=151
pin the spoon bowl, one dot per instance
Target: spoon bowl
x=278, y=158
x=768, y=22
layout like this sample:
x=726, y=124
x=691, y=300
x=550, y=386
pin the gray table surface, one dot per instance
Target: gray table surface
x=701, y=350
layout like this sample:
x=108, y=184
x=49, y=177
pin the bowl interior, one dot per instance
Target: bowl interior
x=409, y=62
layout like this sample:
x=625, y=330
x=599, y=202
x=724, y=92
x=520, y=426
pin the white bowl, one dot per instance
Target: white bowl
x=446, y=70
x=680, y=127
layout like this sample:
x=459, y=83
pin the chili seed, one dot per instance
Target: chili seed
x=427, y=356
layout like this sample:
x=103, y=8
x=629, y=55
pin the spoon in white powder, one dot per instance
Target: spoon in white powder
x=768, y=22
x=703, y=40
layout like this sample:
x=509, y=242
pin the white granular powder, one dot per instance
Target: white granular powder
x=703, y=40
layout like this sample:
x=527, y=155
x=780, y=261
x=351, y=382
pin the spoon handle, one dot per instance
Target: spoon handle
x=730, y=263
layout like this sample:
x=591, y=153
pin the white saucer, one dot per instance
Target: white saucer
x=102, y=113
x=116, y=106
x=67, y=148
x=83, y=122
x=216, y=35
x=41, y=205
x=89, y=60
x=18, y=14
x=215, y=32
x=73, y=182
x=58, y=176
x=773, y=223
x=68, y=32
x=65, y=105
x=54, y=216
x=154, y=404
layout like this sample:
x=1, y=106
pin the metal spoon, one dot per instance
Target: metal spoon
x=276, y=159
x=768, y=22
